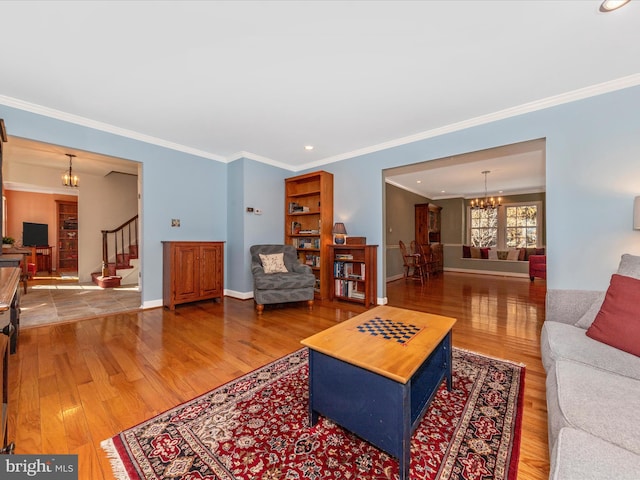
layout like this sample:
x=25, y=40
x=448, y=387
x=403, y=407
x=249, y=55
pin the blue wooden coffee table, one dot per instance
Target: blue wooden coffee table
x=376, y=374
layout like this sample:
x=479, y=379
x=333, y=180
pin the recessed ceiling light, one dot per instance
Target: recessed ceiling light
x=442, y=191
x=611, y=5
x=418, y=181
x=308, y=147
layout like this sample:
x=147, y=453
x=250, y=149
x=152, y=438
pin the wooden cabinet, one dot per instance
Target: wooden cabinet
x=4, y=393
x=9, y=329
x=67, y=236
x=308, y=223
x=41, y=258
x=354, y=273
x=428, y=223
x=192, y=271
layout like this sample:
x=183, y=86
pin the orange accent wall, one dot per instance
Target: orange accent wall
x=36, y=208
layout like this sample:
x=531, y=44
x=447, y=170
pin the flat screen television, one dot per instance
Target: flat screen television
x=35, y=234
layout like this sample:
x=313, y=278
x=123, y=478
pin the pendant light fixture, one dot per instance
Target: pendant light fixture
x=68, y=178
x=487, y=203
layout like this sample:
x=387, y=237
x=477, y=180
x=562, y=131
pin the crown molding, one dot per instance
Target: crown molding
x=510, y=193
x=568, y=97
x=26, y=187
x=259, y=158
x=104, y=127
x=404, y=187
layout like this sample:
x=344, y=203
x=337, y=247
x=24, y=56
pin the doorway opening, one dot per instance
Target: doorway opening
x=107, y=196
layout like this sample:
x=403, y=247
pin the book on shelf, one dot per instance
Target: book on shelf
x=312, y=243
x=349, y=270
x=294, y=207
x=312, y=260
x=349, y=289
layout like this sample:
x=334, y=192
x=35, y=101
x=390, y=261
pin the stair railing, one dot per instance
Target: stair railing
x=122, y=238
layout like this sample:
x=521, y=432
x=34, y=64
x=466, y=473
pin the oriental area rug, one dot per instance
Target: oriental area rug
x=256, y=427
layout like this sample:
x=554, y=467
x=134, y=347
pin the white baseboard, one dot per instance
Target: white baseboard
x=488, y=272
x=238, y=295
x=152, y=304
x=395, y=277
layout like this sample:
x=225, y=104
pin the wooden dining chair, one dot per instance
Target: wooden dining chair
x=408, y=260
x=426, y=263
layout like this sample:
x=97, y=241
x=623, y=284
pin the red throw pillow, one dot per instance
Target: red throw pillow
x=618, y=321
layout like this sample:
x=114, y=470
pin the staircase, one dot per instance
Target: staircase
x=119, y=256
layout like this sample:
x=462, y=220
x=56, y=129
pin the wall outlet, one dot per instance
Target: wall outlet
x=258, y=211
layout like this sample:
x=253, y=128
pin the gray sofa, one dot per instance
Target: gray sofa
x=593, y=391
x=296, y=285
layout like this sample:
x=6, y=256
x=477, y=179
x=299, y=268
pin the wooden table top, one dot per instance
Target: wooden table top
x=353, y=342
x=9, y=280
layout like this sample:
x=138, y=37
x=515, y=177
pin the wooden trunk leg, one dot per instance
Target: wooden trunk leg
x=259, y=308
x=310, y=304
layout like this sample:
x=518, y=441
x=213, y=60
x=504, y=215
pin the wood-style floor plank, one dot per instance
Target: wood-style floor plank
x=73, y=385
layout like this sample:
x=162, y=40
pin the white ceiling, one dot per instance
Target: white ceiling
x=262, y=79
x=513, y=169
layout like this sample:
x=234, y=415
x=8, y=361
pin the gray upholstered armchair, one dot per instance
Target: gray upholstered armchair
x=294, y=285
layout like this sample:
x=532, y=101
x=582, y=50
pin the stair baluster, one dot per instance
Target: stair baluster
x=123, y=248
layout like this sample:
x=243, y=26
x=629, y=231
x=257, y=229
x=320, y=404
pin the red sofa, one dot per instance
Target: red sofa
x=537, y=266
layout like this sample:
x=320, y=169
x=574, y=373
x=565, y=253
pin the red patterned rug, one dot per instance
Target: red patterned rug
x=256, y=427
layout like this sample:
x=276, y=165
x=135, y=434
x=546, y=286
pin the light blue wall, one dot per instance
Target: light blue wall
x=593, y=174
x=234, y=248
x=260, y=186
x=174, y=185
x=592, y=165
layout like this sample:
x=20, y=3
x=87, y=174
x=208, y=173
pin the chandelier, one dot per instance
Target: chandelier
x=487, y=203
x=68, y=178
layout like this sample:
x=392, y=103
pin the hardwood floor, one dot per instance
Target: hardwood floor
x=73, y=385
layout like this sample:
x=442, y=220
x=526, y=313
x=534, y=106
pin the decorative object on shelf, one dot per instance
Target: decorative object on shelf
x=487, y=203
x=636, y=213
x=356, y=240
x=7, y=242
x=339, y=231
x=68, y=178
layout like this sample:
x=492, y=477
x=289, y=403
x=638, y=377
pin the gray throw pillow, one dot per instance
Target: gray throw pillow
x=629, y=266
x=589, y=316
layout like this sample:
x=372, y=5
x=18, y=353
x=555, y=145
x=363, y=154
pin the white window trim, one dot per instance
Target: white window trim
x=502, y=222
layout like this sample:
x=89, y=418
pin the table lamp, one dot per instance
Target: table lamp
x=339, y=231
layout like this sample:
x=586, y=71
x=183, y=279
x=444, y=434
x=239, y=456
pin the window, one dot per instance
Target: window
x=484, y=228
x=509, y=226
x=522, y=226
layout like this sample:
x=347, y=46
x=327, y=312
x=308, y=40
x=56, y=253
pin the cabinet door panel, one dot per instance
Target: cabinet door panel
x=210, y=270
x=186, y=272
